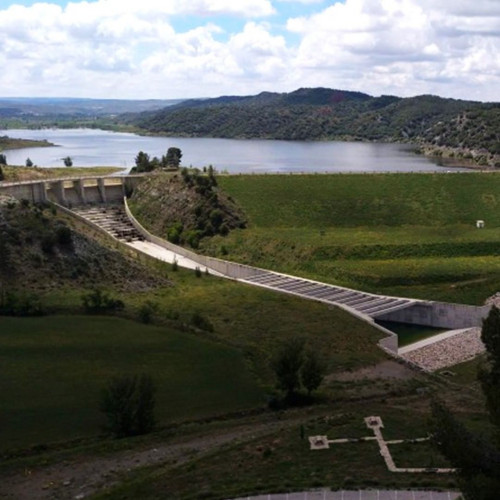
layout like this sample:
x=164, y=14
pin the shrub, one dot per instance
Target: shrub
x=147, y=311
x=47, y=243
x=199, y=321
x=98, y=301
x=128, y=403
x=21, y=304
x=64, y=236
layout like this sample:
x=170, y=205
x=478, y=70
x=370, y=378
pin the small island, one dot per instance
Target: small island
x=7, y=142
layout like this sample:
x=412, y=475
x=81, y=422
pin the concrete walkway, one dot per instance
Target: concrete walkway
x=114, y=220
x=359, y=303
x=165, y=255
x=376, y=425
x=360, y=495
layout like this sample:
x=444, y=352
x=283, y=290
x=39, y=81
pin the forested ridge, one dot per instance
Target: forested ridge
x=464, y=130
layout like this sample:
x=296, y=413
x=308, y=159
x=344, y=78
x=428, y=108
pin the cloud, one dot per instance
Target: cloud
x=403, y=46
x=130, y=48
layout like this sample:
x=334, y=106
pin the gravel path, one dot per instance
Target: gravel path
x=451, y=351
x=84, y=476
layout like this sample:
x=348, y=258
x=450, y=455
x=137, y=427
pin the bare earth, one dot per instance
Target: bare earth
x=83, y=476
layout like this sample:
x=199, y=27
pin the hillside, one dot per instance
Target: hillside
x=327, y=114
x=410, y=235
x=39, y=251
x=185, y=207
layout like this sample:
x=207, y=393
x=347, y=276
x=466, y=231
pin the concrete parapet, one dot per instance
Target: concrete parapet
x=229, y=269
x=79, y=190
x=439, y=315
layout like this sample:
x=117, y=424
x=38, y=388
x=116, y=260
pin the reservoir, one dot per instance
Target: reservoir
x=92, y=147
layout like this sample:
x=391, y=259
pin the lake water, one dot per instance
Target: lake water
x=88, y=147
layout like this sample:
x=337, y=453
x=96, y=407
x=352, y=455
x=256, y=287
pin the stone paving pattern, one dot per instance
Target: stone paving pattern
x=457, y=349
x=360, y=495
x=361, y=302
x=113, y=219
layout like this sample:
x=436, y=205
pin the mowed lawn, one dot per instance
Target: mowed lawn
x=53, y=368
x=400, y=234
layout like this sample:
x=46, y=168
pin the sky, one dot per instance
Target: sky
x=173, y=49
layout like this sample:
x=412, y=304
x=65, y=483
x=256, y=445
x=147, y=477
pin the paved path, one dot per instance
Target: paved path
x=165, y=255
x=114, y=220
x=366, y=304
x=360, y=495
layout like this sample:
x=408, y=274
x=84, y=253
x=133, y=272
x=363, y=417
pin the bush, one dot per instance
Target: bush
x=128, y=403
x=64, y=236
x=47, y=243
x=199, y=321
x=98, y=301
x=147, y=311
x=21, y=304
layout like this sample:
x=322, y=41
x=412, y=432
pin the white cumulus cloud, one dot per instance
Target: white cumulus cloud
x=189, y=48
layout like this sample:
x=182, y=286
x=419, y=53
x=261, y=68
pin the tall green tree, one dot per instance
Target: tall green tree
x=489, y=375
x=287, y=363
x=295, y=368
x=142, y=162
x=172, y=158
x=476, y=457
x=312, y=372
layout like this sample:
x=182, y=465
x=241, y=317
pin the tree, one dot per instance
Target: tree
x=68, y=162
x=477, y=459
x=3, y=159
x=128, y=403
x=296, y=368
x=173, y=158
x=142, y=162
x=29, y=163
x=489, y=375
x=287, y=364
x=312, y=372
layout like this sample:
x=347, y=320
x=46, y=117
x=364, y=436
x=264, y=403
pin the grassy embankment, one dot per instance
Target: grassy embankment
x=52, y=368
x=16, y=174
x=282, y=461
x=401, y=234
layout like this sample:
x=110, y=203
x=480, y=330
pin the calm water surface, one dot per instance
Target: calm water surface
x=103, y=148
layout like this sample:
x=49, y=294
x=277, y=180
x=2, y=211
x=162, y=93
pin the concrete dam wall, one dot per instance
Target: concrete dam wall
x=72, y=191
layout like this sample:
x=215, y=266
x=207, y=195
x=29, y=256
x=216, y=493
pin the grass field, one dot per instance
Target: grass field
x=15, y=174
x=254, y=320
x=52, y=370
x=402, y=234
x=282, y=461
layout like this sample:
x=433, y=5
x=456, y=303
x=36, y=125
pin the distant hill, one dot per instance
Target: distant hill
x=329, y=114
x=20, y=107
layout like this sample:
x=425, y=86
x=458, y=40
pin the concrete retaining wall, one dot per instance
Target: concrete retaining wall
x=229, y=269
x=439, y=315
x=72, y=191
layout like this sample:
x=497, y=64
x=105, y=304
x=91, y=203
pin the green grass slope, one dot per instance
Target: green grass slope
x=52, y=370
x=404, y=234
